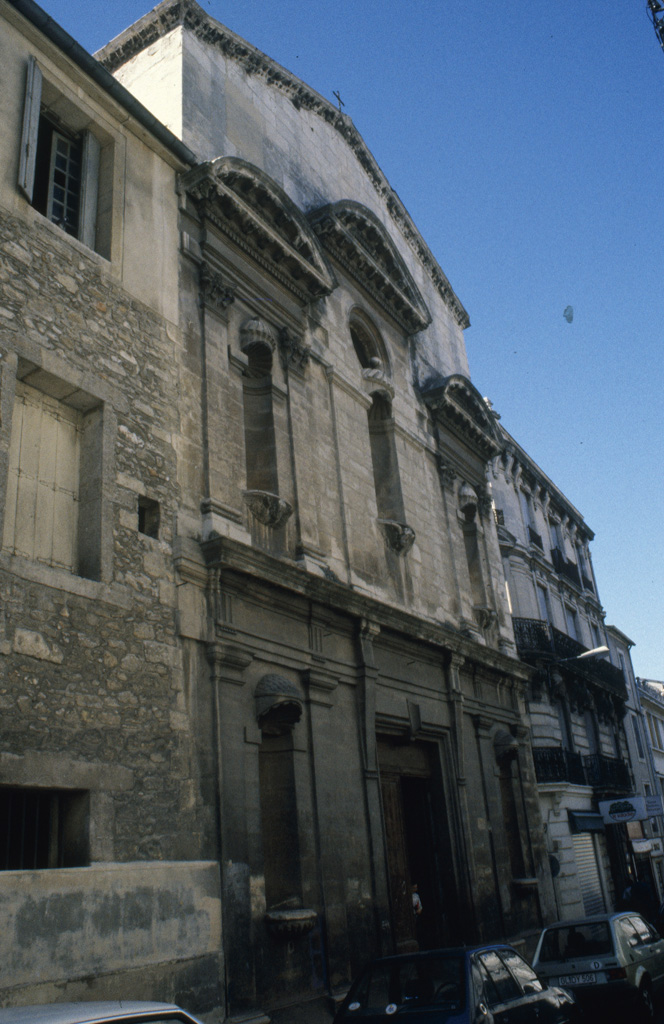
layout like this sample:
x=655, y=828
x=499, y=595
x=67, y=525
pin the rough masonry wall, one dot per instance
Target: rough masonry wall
x=89, y=669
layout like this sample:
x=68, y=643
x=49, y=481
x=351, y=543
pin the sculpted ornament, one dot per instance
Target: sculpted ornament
x=294, y=353
x=214, y=292
x=269, y=509
x=398, y=536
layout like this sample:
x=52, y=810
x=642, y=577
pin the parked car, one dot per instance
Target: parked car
x=484, y=984
x=611, y=962
x=125, y=1012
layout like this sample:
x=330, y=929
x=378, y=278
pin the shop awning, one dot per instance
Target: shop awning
x=585, y=821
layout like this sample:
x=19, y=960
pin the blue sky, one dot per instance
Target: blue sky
x=527, y=142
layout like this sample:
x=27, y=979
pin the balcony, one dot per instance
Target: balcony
x=553, y=764
x=535, y=637
x=587, y=583
x=607, y=773
x=564, y=567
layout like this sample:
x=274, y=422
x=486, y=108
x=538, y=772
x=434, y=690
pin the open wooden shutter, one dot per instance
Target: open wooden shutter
x=90, y=156
x=31, y=110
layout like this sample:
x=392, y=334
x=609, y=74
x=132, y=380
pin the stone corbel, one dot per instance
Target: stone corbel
x=398, y=536
x=484, y=500
x=375, y=381
x=227, y=662
x=267, y=508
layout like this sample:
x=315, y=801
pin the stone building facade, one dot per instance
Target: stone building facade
x=577, y=705
x=258, y=666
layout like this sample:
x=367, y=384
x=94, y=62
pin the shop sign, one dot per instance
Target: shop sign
x=642, y=845
x=630, y=808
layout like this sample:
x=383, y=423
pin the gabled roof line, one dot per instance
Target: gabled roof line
x=188, y=13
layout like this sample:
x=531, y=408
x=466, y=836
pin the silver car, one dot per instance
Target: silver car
x=611, y=962
x=125, y=1012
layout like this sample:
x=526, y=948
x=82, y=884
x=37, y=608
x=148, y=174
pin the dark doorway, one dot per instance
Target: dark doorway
x=417, y=847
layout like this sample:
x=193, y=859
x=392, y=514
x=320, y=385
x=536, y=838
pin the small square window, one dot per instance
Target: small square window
x=148, y=516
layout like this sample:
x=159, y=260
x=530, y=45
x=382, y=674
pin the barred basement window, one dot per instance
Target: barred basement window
x=43, y=828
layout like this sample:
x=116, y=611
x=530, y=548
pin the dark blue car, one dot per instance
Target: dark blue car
x=478, y=985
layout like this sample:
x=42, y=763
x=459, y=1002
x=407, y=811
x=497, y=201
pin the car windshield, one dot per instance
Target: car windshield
x=411, y=983
x=569, y=942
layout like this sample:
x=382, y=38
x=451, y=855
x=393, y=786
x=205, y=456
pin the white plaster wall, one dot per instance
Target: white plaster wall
x=218, y=109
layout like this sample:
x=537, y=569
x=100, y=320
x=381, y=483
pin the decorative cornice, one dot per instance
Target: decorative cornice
x=187, y=13
x=359, y=242
x=250, y=208
x=458, y=406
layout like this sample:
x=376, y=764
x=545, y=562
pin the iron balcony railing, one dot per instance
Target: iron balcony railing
x=536, y=637
x=607, y=773
x=554, y=764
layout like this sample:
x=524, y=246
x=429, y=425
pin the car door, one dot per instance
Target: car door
x=504, y=999
x=540, y=1001
x=650, y=949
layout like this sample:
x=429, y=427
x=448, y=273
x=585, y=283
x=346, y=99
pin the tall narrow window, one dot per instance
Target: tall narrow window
x=389, y=499
x=259, y=433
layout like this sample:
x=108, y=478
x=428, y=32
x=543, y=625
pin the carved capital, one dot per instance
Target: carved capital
x=398, y=536
x=294, y=353
x=215, y=295
x=269, y=509
x=484, y=502
x=446, y=473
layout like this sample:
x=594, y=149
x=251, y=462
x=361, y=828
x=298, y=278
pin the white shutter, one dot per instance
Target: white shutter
x=90, y=157
x=588, y=874
x=31, y=110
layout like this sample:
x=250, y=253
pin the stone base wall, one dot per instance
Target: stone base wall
x=147, y=930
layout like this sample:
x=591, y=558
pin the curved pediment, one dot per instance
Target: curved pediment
x=256, y=214
x=458, y=406
x=358, y=240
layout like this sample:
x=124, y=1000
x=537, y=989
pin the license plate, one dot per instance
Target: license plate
x=578, y=979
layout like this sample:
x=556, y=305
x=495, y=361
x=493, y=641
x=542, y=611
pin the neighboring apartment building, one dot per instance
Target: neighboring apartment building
x=576, y=704
x=650, y=695
x=645, y=834
x=258, y=669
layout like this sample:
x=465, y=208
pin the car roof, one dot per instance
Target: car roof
x=447, y=951
x=591, y=919
x=82, y=1013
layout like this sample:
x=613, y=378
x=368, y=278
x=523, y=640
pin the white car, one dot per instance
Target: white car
x=611, y=962
x=125, y=1012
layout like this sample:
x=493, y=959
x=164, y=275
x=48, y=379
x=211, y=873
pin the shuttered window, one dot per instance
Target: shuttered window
x=588, y=873
x=41, y=514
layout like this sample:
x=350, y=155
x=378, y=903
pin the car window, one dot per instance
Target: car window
x=506, y=986
x=485, y=990
x=570, y=942
x=522, y=971
x=628, y=932
x=643, y=930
